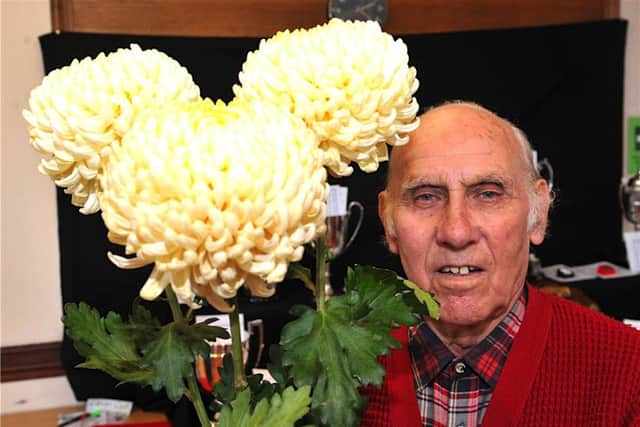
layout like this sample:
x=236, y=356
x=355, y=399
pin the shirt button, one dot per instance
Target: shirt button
x=460, y=367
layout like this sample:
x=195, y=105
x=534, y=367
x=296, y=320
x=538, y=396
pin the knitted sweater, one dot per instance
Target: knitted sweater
x=568, y=366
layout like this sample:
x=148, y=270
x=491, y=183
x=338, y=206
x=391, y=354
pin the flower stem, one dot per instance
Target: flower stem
x=196, y=399
x=173, y=304
x=321, y=265
x=194, y=391
x=236, y=347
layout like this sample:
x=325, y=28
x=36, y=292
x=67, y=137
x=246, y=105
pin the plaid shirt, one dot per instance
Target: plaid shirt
x=455, y=392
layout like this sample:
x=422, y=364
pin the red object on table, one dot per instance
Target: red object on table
x=606, y=270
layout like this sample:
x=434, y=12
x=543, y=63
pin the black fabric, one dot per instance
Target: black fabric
x=563, y=85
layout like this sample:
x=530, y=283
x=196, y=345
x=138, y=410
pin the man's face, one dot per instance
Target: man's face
x=458, y=199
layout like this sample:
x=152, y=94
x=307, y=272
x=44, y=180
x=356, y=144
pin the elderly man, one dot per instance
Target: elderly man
x=462, y=204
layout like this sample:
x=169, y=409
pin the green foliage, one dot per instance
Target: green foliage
x=281, y=410
x=277, y=370
x=425, y=299
x=225, y=390
x=105, y=343
x=335, y=350
x=170, y=356
x=300, y=272
x=141, y=350
x=197, y=334
x=328, y=353
x=143, y=325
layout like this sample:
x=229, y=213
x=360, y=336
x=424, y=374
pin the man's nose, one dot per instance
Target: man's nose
x=456, y=228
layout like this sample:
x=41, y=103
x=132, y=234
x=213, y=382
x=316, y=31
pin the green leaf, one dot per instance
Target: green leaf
x=277, y=370
x=105, y=343
x=143, y=325
x=225, y=388
x=225, y=391
x=142, y=350
x=335, y=351
x=197, y=334
x=282, y=410
x=426, y=298
x=171, y=356
x=300, y=272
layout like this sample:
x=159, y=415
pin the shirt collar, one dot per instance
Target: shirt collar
x=430, y=356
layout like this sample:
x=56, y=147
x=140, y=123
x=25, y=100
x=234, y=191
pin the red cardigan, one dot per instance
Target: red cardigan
x=568, y=366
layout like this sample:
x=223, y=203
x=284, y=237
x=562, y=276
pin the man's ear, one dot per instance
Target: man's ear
x=384, y=213
x=543, y=199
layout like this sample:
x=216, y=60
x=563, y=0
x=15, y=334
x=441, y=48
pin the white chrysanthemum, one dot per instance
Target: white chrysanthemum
x=349, y=81
x=80, y=110
x=215, y=196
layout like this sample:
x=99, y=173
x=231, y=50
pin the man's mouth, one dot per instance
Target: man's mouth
x=462, y=270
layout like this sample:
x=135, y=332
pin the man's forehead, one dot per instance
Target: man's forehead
x=456, y=137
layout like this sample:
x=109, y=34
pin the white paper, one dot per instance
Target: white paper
x=632, y=243
x=85, y=422
x=337, y=200
x=113, y=409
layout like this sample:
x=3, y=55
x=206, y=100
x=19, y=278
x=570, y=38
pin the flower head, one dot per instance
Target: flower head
x=349, y=81
x=215, y=196
x=81, y=110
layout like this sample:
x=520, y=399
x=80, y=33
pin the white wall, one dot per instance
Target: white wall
x=630, y=9
x=30, y=283
x=31, y=292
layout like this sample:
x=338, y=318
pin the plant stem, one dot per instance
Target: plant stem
x=236, y=347
x=196, y=399
x=173, y=304
x=321, y=265
x=194, y=391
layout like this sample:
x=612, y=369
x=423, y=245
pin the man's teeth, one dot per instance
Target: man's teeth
x=459, y=270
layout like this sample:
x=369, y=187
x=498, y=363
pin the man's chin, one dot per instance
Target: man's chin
x=462, y=312
x=460, y=319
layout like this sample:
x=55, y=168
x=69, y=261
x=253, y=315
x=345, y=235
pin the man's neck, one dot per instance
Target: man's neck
x=459, y=339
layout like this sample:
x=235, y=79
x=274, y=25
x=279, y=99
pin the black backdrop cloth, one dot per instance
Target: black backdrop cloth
x=563, y=85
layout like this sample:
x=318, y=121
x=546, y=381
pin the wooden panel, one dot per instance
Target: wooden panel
x=24, y=362
x=187, y=17
x=411, y=16
x=265, y=17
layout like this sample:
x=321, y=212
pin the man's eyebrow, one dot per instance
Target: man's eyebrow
x=439, y=183
x=492, y=179
x=418, y=183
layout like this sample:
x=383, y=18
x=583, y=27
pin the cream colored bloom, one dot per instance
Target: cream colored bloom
x=81, y=110
x=349, y=81
x=215, y=196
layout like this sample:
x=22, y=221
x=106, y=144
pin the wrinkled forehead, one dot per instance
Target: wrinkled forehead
x=461, y=140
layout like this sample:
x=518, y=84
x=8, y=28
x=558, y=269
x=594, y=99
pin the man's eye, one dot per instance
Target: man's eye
x=489, y=195
x=425, y=197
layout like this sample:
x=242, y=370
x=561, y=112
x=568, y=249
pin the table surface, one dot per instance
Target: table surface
x=49, y=417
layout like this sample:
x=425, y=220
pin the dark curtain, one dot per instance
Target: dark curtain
x=563, y=85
